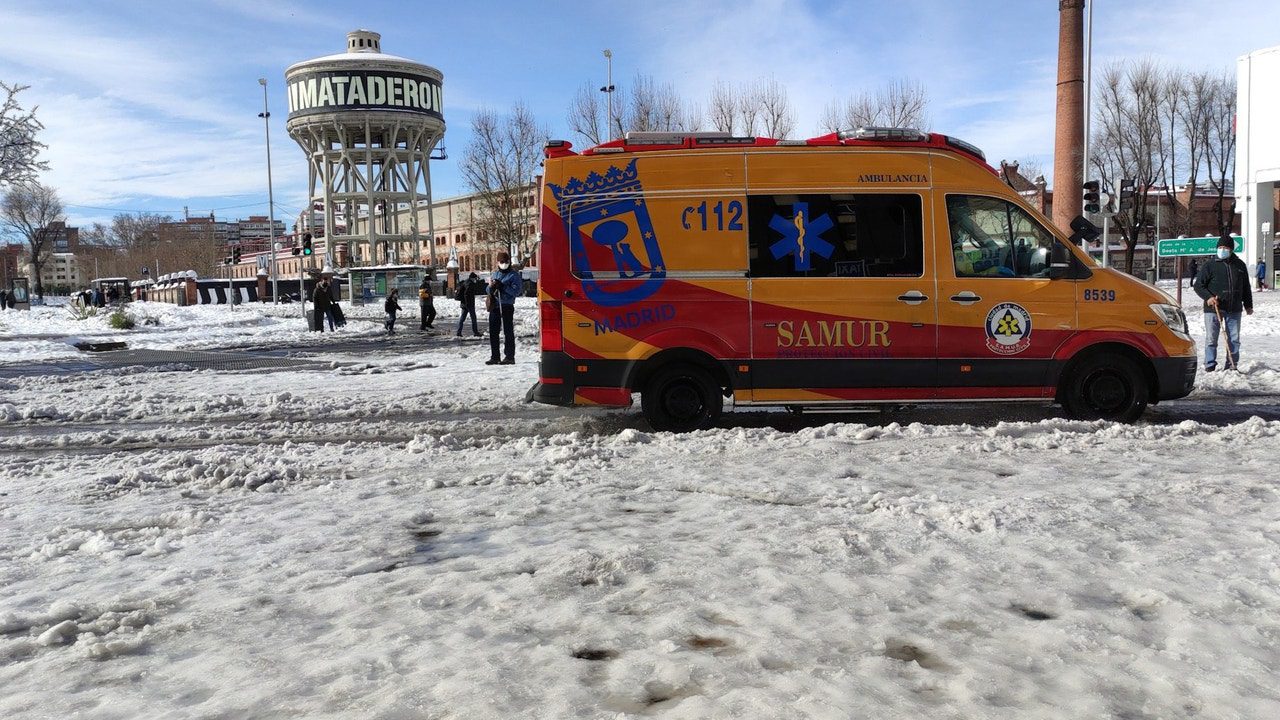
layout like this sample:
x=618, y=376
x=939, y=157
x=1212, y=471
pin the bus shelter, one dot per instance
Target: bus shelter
x=371, y=284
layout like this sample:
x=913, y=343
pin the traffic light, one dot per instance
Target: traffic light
x=295, y=248
x=1127, y=188
x=226, y=260
x=306, y=243
x=235, y=255
x=1091, y=190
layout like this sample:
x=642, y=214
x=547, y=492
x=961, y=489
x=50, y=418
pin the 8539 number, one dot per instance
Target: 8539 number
x=1100, y=295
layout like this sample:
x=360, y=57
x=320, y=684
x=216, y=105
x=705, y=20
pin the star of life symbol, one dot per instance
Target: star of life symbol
x=1008, y=329
x=801, y=237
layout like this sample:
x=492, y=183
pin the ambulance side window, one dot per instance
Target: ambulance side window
x=839, y=235
x=991, y=237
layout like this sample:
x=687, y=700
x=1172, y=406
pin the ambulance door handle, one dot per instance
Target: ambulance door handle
x=965, y=298
x=914, y=297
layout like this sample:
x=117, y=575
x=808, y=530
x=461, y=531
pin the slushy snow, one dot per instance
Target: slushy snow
x=394, y=533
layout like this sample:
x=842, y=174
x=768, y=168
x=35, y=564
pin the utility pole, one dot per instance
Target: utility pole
x=271, y=200
x=608, y=91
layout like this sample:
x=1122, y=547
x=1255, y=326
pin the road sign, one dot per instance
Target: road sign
x=1183, y=247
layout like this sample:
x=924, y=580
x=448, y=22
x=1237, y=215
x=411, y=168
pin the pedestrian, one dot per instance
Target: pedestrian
x=392, y=306
x=322, y=300
x=1262, y=274
x=4, y=300
x=1223, y=284
x=467, y=291
x=426, y=306
x=1194, y=266
x=504, y=288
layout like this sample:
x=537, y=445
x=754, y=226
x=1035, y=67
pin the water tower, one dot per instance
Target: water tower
x=367, y=122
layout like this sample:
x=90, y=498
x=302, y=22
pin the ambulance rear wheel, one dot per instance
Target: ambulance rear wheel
x=1106, y=387
x=681, y=398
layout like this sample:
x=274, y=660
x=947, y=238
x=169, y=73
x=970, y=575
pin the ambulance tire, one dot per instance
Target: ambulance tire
x=681, y=398
x=1106, y=386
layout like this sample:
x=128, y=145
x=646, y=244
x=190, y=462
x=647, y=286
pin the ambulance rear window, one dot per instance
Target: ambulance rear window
x=838, y=235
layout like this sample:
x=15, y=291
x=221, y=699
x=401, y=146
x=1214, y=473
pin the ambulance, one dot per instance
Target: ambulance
x=874, y=266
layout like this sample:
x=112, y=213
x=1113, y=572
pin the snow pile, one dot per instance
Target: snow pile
x=399, y=535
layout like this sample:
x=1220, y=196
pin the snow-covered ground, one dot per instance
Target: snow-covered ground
x=395, y=534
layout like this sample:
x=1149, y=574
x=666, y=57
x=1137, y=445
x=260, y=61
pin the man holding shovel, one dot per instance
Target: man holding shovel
x=1223, y=283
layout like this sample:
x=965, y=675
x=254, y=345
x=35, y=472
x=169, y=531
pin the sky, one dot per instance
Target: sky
x=153, y=106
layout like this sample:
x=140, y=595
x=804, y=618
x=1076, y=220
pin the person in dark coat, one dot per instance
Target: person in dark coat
x=4, y=300
x=322, y=300
x=392, y=306
x=504, y=288
x=1223, y=284
x=426, y=305
x=1195, y=267
x=467, y=291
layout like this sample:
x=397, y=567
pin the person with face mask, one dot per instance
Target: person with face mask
x=1223, y=284
x=504, y=288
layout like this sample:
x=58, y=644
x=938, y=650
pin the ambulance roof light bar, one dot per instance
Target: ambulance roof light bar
x=967, y=147
x=658, y=138
x=636, y=138
x=883, y=133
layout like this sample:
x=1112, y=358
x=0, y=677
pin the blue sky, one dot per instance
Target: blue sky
x=153, y=105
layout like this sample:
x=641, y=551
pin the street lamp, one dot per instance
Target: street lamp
x=608, y=90
x=271, y=200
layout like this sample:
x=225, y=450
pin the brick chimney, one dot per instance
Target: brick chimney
x=1068, y=144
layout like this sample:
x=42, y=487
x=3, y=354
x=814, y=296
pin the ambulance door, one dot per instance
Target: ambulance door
x=843, y=304
x=1000, y=318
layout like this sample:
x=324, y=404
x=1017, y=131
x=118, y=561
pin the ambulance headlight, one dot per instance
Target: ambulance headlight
x=1173, y=318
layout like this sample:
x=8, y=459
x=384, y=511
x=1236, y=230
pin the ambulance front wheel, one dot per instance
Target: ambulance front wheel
x=1106, y=387
x=681, y=398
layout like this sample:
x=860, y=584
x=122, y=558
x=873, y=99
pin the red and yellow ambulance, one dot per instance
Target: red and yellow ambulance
x=881, y=265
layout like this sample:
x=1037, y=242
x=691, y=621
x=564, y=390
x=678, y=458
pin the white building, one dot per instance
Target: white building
x=59, y=274
x=1257, y=150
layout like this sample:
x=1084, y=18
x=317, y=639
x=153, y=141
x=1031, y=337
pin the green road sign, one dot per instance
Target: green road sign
x=1182, y=247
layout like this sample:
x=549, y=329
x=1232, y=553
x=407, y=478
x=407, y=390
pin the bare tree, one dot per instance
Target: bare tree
x=501, y=166
x=1131, y=142
x=760, y=107
x=586, y=116
x=1220, y=147
x=645, y=106
x=1186, y=120
x=900, y=103
x=655, y=108
x=133, y=230
x=18, y=145
x=776, y=117
x=26, y=212
x=723, y=107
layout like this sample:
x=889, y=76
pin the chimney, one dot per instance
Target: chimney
x=1068, y=145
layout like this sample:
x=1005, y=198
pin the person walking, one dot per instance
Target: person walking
x=1195, y=266
x=504, y=288
x=4, y=303
x=322, y=300
x=426, y=305
x=392, y=306
x=467, y=291
x=1223, y=284
x=1262, y=274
